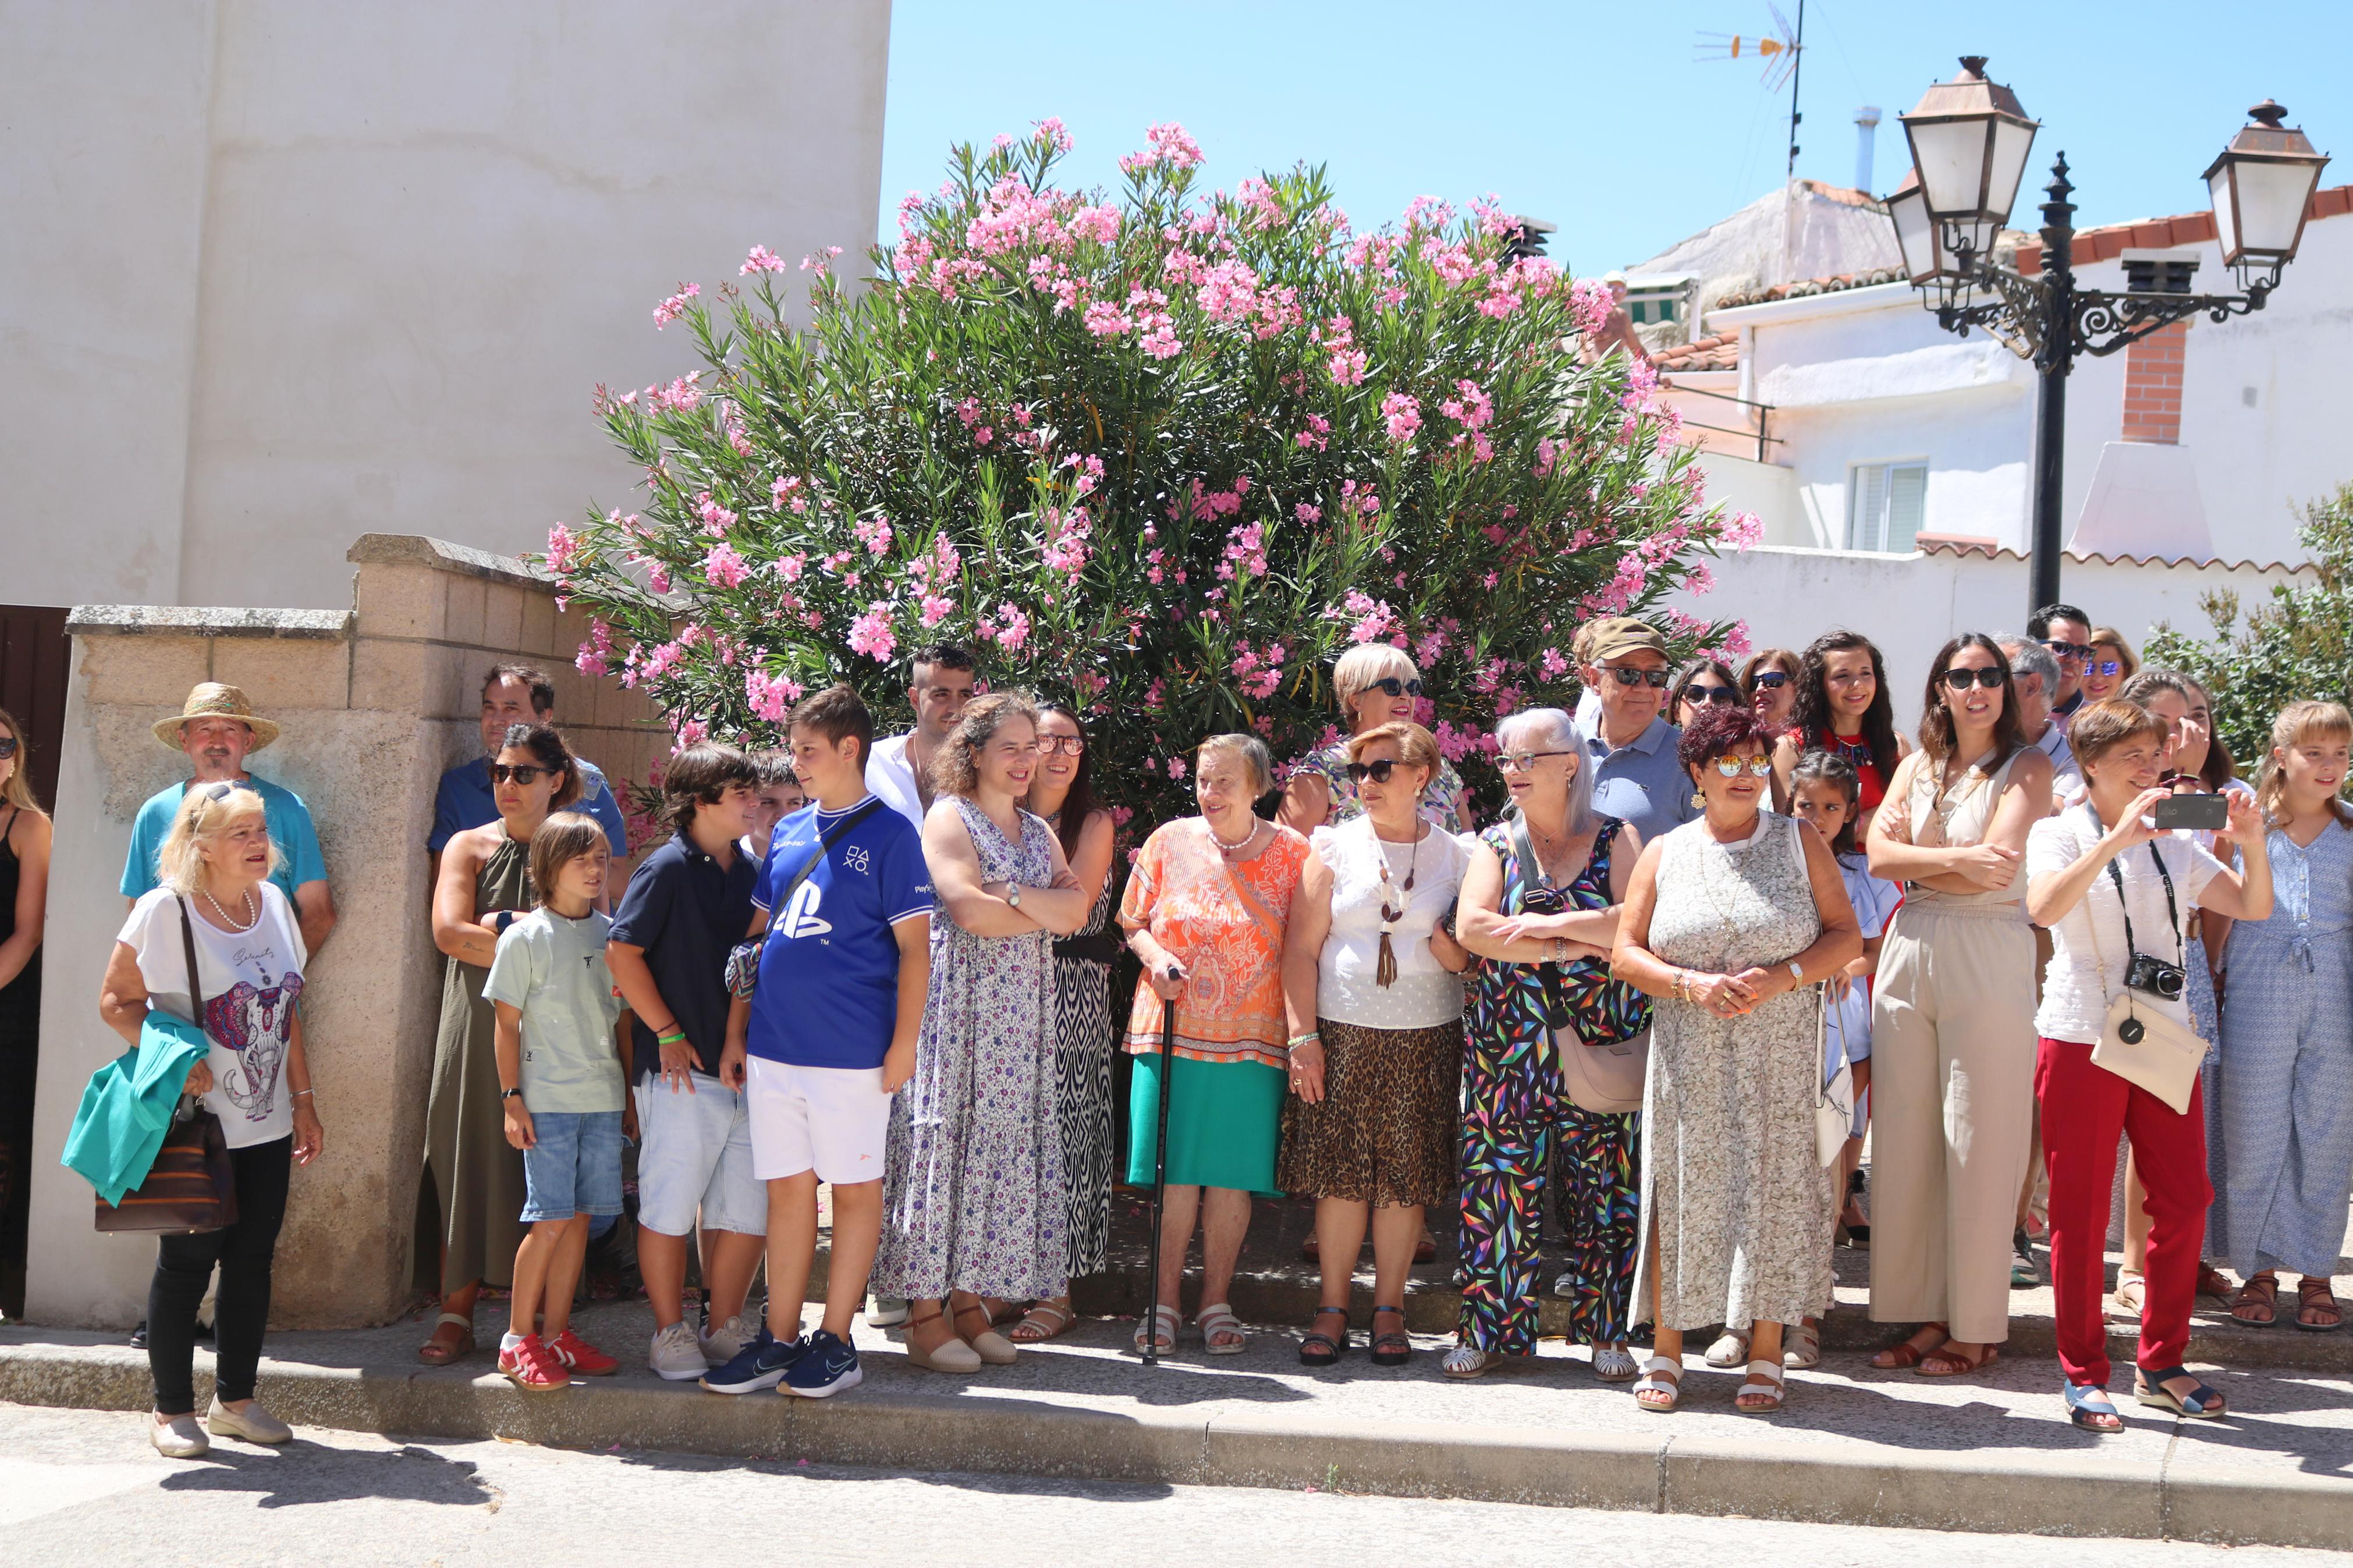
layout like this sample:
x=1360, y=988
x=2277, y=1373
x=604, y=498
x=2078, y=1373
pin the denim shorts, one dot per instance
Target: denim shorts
x=573, y=1167
x=695, y=1155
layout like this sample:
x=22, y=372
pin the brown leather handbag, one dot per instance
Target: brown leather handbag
x=191, y=1187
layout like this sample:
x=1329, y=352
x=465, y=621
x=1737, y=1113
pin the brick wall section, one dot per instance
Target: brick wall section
x=2153, y=386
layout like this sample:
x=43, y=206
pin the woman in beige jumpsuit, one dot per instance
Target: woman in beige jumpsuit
x=1952, y=1025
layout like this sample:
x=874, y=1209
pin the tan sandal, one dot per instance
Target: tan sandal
x=1044, y=1320
x=951, y=1356
x=988, y=1344
x=2131, y=1296
x=437, y=1351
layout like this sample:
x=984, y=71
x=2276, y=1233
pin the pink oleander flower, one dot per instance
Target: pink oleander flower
x=1105, y=320
x=874, y=533
x=1176, y=768
x=1163, y=144
x=772, y=697
x=1590, y=303
x=716, y=518
x=671, y=309
x=1401, y=415
x=563, y=549
x=1347, y=367
x=595, y=656
x=658, y=578
x=1052, y=132
x=871, y=633
x=763, y=260
x=935, y=609
x=1016, y=629
x=790, y=567
x=692, y=732
x=722, y=568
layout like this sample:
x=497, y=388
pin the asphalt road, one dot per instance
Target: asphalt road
x=81, y=1487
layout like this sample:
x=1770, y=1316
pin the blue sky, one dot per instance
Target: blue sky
x=1599, y=118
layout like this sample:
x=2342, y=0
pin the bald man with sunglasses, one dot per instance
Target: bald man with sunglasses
x=1629, y=746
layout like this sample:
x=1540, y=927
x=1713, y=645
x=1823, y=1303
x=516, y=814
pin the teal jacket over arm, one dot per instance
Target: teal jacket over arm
x=128, y=1106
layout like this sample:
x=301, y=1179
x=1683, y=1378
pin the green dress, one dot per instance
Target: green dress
x=477, y=1175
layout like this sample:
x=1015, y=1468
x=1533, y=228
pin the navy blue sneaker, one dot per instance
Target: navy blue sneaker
x=762, y=1364
x=827, y=1365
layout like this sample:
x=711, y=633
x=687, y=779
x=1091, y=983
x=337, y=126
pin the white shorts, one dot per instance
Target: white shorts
x=829, y=1120
x=694, y=1153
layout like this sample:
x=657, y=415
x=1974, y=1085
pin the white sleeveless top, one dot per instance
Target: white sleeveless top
x=1424, y=994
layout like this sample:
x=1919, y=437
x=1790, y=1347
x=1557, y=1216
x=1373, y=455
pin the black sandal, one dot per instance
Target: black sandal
x=1320, y=1349
x=1391, y=1349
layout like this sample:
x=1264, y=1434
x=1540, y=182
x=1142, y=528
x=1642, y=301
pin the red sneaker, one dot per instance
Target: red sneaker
x=533, y=1366
x=581, y=1356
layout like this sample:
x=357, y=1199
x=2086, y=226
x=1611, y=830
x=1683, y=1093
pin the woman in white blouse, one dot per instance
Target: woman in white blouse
x=1376, y=1015
x=2117, y=895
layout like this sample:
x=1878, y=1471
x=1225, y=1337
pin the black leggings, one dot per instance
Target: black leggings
x=184, y=1267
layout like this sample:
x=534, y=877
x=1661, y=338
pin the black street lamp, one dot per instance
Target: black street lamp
x=1969, y=141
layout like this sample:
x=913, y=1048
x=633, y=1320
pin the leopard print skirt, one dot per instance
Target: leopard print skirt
x=1383, y=1132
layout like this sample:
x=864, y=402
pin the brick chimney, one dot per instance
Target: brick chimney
x=2153, y=386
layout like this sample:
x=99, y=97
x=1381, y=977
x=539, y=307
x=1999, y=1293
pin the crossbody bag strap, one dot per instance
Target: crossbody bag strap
x=188, y=951
x=824, y=843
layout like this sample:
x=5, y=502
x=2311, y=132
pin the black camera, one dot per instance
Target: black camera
x=2155, y=977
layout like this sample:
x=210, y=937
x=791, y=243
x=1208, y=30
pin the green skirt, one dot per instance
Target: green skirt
x=1221, y=1125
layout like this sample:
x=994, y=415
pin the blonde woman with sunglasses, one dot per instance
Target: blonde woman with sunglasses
x=1374, y=684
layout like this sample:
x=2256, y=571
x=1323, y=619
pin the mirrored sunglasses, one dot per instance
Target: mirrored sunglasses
x=1730, y=767
x=1656, y=679
x=1772, y=679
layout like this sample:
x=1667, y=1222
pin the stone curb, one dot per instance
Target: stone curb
x=2052, y=1495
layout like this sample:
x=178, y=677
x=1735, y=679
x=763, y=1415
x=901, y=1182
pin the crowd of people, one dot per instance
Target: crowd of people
x=1728, y=922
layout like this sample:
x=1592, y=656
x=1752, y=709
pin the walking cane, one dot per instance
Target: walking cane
x=1159, y=1175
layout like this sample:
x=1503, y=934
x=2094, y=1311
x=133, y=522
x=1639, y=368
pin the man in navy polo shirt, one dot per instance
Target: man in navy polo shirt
x=825, y=1037
x=1637, y=776
x=517, y=694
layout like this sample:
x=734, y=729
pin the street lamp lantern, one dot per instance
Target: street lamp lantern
x=1918, y=238
x=1969, y=141
x=2263, y=184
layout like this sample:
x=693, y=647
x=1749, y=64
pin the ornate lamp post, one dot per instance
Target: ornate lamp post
x=1969, y=141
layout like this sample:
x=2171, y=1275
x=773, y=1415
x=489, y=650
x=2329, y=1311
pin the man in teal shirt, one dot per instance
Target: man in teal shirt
x=219, y=729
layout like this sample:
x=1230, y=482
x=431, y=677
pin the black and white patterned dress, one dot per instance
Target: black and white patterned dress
x=1083, y=1047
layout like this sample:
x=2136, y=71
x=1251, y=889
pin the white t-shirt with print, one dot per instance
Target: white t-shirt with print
x=250, y=980
x=2074, y=1000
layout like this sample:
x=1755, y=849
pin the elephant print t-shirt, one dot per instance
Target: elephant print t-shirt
x=250, y=980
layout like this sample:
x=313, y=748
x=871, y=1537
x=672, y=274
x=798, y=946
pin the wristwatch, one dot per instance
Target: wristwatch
x=507, y=1094
x=1797, y=972
x=1013, y=895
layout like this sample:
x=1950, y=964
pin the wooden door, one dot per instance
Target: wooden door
x=34, y=658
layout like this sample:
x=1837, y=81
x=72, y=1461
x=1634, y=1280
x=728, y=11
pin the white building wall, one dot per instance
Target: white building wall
x=278, y=273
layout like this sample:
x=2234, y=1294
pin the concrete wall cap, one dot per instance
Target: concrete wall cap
x=196, y=620
x=422, y=550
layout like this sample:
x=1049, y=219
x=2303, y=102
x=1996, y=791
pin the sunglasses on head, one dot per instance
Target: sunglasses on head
x=7, y=747
x=1377, y=771
x=1960, y=680
x=1720, y=696
x=217, y=793
x=1390, y=686
x=1730, y=767
x=2068, y=650
x=1772, y=679
x=521, y=773
x=1625, y=675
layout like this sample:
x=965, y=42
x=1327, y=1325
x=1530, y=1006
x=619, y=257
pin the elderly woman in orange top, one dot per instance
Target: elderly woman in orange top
x=1208, y=902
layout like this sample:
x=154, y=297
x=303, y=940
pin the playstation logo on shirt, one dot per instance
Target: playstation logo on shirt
x=855, y=857
x=800, y=916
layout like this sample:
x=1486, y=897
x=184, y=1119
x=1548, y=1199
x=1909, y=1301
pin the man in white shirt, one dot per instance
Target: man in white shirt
x=2035, y=674
x=900, y=771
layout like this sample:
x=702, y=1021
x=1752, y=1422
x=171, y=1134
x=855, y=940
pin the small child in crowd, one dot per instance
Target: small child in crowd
x=561, y=1084
x=779, y=795
x=683, y=911
x=821, y=1033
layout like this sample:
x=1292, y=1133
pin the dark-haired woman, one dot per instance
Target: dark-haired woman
x=24, y=894
x=476, y=1175
x=1842, y=707
x=1768, y=681
x=1700, y=685
x=1062, y=791
x=1952, y=1017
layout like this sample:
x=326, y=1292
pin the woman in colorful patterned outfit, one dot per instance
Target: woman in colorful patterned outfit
x=1843, y=708
x=1374, y=684
x=973, y=1201
x=2287, y=1035
x=1063, y=791
x=1207, y=901
x=1375, y=1012
x=1730, y=920
x=1515, y=1109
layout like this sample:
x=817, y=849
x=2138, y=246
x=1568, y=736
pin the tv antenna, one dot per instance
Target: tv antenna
x=1782, y=50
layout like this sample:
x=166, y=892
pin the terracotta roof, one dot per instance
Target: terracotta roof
x=1846, y=196
x=1719, y=352
x=1806, y=286
x=1964, y=545
x=2111, y=240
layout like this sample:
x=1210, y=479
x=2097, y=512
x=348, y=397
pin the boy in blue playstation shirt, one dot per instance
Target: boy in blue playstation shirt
x=821, y=1033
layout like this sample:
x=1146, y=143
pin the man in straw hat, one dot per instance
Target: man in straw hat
x=219, y=729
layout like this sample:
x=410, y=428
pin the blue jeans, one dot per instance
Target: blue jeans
x=574, y=1165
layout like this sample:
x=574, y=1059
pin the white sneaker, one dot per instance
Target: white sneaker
x=675, y=1356
x=254, y=1424
x=720, y=1344
x=885, y=1311
x=178, y=1438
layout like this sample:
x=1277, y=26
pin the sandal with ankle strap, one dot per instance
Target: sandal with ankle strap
x=1904, y=1354
x=2313, y=1295
x=2090, y=1408
x=950, y=1355
x=988, y=1344
x=434, y=1353
x=1044, y=1320
x=2260, y=1293
x=2200, y=1404
x=1393, y=1349
x=1320, y=1349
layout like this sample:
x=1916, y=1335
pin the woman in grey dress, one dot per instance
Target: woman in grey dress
x=1729, y=924
x=974, y=1201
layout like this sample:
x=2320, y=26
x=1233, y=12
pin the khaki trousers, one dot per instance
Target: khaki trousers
x=1952, y=1091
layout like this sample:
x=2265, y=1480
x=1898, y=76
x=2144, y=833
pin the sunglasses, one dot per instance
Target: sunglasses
x=7, y=747
x=1772, y=679
x=1377, y=771
x=2068, y=649
x=521, y=774
x=2106, y=667
x=217, y=793
x=1960, y=680
x=1730, y=767
x=1719, y=696
x=1656, y=679
x=1523, y=761
x=1072, y=745
x=1390, y=686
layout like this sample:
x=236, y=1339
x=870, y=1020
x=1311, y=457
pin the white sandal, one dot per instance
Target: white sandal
x=1731, y=1348
x=1614, y=1364
x=1768, y=1373
x=1160, y=1325
x=1470, y=1360
x=1656, y=1379
x=1216, y=1320
x=1802, y=1347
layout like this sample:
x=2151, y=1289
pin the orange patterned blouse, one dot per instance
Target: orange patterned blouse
x=1224, y=923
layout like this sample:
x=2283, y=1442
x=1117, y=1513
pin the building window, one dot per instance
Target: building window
x=1647, y=308
x=1885, y=502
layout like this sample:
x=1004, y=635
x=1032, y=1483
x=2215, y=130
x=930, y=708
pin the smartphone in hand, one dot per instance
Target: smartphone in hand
x=2206, y=813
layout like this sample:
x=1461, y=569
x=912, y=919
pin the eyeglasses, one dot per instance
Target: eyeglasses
x=1772, y=679
x=1070, y=744
x=1721, y=696
x=2106, y=667
x=7, y=747
x=1656, y=679
x=1377, y=771
x=1730, y=767
x=2076, y=650
x=1390, y=686
x=1523, y=761
x=521, y=774
x=1960, y=680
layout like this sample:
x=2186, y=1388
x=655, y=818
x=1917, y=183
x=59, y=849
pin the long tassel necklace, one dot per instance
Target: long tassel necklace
x=1385, y=968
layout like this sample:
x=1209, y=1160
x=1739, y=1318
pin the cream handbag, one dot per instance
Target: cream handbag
x=1835, y=1106
x=2148, y=1049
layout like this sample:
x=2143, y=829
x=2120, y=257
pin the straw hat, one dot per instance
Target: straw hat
x=211, y=700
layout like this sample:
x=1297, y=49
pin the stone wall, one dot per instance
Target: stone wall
x=374, y=703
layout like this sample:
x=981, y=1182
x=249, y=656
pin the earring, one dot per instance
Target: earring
x=1699, y=800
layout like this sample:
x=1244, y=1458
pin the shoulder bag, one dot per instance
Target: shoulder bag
x=742, y=972
x=1834, y=1104
x=191, y=1187
x=1605, y=1079
x=2146, y=1049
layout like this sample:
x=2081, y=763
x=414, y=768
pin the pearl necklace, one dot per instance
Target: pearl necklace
x=252, y=914
x=1237, y=848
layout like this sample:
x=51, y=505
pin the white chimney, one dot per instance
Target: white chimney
x=1866, y=122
